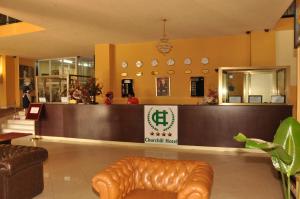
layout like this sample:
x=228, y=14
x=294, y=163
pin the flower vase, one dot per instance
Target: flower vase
x=93, y=99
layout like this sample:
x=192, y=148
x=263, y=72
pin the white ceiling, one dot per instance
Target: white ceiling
x=73, y=27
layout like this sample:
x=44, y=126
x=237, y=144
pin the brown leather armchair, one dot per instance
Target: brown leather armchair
x=143, y=178
x=21, y=171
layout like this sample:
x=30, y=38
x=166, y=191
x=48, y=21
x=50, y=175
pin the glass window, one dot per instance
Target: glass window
x=52, y=88
x=56, y=67
x=44, y=67
x=69, y=66
x=86, y=67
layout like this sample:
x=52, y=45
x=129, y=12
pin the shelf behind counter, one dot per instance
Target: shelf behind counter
x=198, y=125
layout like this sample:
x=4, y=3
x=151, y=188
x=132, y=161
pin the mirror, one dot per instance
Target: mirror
x=252, y=85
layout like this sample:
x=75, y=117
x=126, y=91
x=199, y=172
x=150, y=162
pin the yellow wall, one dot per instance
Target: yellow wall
x=10, y=79
x=221, y=51
x=286, y=55
x=7, y=84
x=104, y=57
x=263, y=49
x=3, y=100
x=10, y=93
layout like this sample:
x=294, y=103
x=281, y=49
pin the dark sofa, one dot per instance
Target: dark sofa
x=21, y=171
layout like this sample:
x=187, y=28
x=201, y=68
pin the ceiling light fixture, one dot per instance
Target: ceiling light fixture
x=164, y=45
x=67, y=61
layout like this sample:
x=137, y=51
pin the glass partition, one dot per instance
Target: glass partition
x=252, y=85
x=51, y=88
x=55, y=67
x=43, y=67
x=54, y=74
x=85, y=67
x=66, y=66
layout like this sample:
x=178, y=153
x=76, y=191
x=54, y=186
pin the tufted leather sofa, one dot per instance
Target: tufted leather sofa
x=21, y=171
x=151, y=178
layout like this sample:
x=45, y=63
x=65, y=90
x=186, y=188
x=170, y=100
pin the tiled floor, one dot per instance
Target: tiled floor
x=70, y=168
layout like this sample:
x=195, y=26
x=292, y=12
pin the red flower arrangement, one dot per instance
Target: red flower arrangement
x=85, y=93
x=212, y=97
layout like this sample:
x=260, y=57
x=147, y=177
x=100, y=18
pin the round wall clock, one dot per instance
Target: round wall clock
x=171, y=62
x=204, y=60
x=154, y=62
x=139, y=64
x=187, y=61
x=124, y=64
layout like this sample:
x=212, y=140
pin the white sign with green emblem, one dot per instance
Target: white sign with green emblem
x=161, y=124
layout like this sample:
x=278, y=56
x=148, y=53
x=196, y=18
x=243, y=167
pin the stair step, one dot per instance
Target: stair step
x=18, y=126
x=19, y=117
x=6, y=130
x=26, y=122
x=21, y=113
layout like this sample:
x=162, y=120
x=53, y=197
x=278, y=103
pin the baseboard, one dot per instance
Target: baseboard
x=228, y=150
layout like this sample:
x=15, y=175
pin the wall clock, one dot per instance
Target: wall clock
x=170, y=62
x=187, y=61
x=154, y=62
x=139, y=64
x=204, y=60
x=124, y=64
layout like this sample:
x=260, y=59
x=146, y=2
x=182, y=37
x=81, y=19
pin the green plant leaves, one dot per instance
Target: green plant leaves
x=288, y=136
x=285, y=146
x=273, y=149
x=284, y=150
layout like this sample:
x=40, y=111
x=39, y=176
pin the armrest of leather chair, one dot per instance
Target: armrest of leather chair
x=14, y=157
x=198, y=184
x=116, y=181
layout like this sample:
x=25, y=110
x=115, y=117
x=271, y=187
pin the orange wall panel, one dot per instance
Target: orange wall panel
x=3, y=99
x=221, y=51
x=263, y=50
x=104, y=58
x=10, y=79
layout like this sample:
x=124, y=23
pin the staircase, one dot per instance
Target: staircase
x=19, y=124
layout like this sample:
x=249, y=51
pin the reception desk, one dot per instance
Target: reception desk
x=198, y=125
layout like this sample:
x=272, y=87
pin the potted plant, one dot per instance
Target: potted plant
x=93, y=89
x=284, y=150
x=212, y=97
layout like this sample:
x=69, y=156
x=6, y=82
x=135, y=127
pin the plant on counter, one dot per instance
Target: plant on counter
x=93, y=89
x=212, y=97
x=284, y=150
x=85, y=93
x=77, y=92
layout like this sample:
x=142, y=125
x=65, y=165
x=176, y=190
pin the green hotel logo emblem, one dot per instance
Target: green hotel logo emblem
x=159, y=119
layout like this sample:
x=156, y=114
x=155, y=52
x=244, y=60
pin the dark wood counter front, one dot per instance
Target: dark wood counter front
x=197, y=125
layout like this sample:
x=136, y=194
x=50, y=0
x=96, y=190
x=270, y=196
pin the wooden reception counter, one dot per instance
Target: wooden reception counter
x=198, y=125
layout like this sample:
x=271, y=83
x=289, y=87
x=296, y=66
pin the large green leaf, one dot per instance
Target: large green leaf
x=275, y=150
x=285, y=149
x=288, y=136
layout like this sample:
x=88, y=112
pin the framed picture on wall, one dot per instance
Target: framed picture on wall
x=162, y=85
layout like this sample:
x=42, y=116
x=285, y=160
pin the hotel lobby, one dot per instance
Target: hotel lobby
x=200, y=71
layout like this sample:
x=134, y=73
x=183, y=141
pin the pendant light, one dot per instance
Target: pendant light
x=164, y=45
